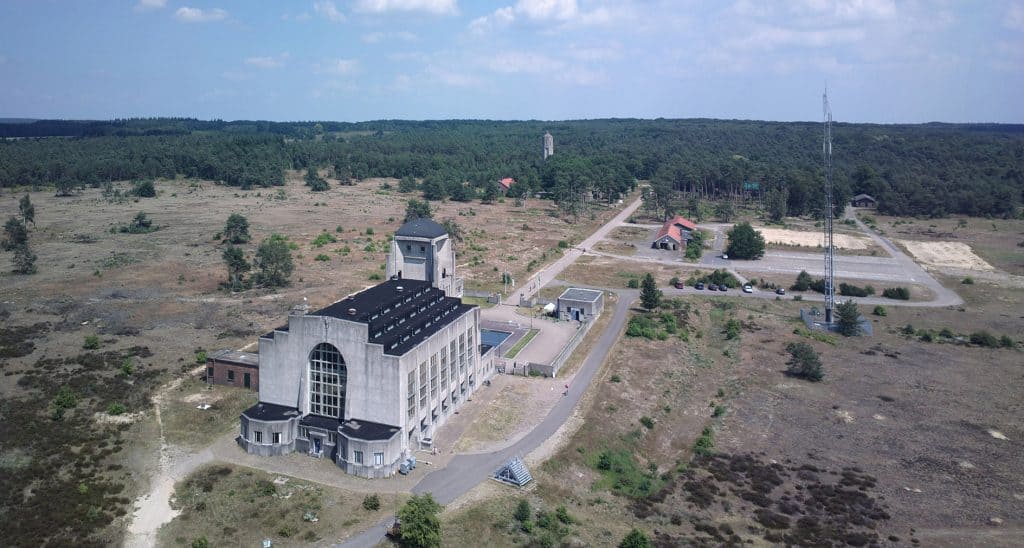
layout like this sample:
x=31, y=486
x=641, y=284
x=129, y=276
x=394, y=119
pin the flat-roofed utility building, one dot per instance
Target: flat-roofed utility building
x=233, y=368
x=580, y=304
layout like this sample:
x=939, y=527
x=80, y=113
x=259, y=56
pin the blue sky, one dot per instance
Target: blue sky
x=351, y=60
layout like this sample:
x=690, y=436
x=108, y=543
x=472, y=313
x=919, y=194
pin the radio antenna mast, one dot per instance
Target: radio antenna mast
x=830, y=274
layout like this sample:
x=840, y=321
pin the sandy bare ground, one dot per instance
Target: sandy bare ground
x=946, y=254
x=811, y=239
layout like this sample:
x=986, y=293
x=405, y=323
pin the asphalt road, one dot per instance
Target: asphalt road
x=464, y=472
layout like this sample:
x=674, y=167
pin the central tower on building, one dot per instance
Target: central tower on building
x=422, y=250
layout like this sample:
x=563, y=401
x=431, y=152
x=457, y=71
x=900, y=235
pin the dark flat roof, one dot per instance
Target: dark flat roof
x=317, y=421
x=270, y=412
x=399, y=314
x=367, y=430
x=235, y=357
x=421, y=228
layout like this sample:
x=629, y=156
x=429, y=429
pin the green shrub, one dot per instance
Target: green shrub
x=200, y=356
x=322, y=257
x=371, y=502
x=127, y=366
x=1006, y=342
x=116, y=409
x=92, y=342
x=144, y=189
x=647, y=422
x=201, y=542
x=908, y=329
x=926, y=336
x=880, y=311
x=562, y=244
x=719, y=411
x=369, y=231
x=984, y=338
x=946, y=332
x=705, y=443
x=732, y=328
x=968, y=281
x=323, y=239
x=850, y=290
x=633, y=283
x=563, y=515
x=804, y=362
x=523, y=513
x=375, y=276
x=616, y=378
x=900, y=293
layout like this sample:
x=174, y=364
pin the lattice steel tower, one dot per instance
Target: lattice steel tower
x=830, y=272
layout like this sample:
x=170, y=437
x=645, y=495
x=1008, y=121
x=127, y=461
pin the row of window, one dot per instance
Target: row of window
x=453, y=360
x=257, y=437
x=378, y=458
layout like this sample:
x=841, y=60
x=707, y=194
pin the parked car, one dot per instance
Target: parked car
x=699, y=285
x=725, y=255
x=723, y=287
x=712, y=287
x=680, y=285
x=748, y=288
x=780, y=291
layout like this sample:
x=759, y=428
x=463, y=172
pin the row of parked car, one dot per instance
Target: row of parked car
x=747, y=288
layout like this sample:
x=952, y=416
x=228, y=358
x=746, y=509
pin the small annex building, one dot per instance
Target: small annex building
x=370, y=378
x=233, y=368
x=674, y=234
x=506, y=184
x=863, y=200
x=580, y=304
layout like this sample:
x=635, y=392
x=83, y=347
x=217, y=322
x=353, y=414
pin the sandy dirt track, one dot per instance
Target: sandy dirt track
x=946, y=254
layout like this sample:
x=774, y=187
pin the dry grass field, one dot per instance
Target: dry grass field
x=904, y=442
x=154, y=299
x=996, y=241
x=235, y=506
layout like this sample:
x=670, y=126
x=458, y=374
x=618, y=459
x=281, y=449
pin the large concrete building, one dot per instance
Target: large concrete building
x=369, y=378
x=549, y=145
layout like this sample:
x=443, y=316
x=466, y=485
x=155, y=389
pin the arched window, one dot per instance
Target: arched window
x=327, y=380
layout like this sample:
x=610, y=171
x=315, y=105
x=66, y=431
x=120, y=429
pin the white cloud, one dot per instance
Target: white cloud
x=611, y=52
x=564, y=12
x=847, y=10
x=1014, y=17
x=452, y=78
x=336, y=66
x=195, y=15
x=437, y=7
x=270, y=62
x=377, y=37
x=327, y=10
x=765, y=38
x=147, y=5
x=512, y=62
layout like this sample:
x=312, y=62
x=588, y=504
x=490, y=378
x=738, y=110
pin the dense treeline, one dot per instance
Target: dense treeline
x=933, y=169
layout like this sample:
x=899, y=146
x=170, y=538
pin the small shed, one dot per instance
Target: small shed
x=580, y=304
x=863, y=200
x=233, y=368
x=506, y=184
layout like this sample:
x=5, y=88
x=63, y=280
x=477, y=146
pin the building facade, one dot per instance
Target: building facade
x=368, y=379
x=233, y=368
x=674, y=234
x=580, y=304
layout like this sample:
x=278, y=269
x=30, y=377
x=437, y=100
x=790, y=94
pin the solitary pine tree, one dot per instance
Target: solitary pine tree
x=234, y=258
x=420, y=525
x=745, y=242
x=848, y=318
x=650, y=295
x=804, y=362
x=28, y=211
x=417, y=209
x=236, y=230
x=315, y=182
x=274, y=261
x=16, y=241
x=803, y=281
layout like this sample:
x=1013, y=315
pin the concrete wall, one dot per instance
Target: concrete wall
x=266, y=447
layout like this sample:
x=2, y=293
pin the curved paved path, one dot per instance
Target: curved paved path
x=466, y=471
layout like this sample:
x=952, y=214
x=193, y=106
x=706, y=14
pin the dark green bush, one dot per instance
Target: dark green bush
x=900, y=293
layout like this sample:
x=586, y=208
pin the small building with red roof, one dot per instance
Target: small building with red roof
x=674, y=233
x=506, y=183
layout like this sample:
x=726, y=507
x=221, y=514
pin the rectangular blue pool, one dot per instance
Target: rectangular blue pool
x=493, y=338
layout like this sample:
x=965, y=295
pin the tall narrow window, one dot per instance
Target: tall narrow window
x=411, y=398
x=433, y=376
x=423, y=385
x=328, y=377
x=444, y=369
